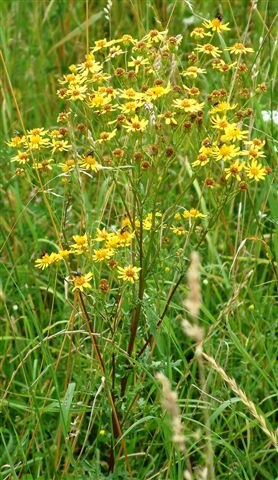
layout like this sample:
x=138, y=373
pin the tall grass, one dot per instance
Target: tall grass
x=80, y=396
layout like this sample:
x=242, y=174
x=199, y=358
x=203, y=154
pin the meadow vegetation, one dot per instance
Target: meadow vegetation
x=138, y=275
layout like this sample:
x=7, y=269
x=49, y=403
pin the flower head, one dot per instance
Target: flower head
x=81, y=281
x=128, y=274
x=255, y=171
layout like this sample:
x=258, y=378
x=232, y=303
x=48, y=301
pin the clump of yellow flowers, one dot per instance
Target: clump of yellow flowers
x=138, y=112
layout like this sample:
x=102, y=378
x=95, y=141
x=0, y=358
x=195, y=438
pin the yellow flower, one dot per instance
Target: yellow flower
x=233, y=133
x=239, y=48
x=168, y=118
x=208, y=49
x=130, y=107
x=255, y=171
x=199, y=32
x=202, y=160
x=222, y=66
x=216, y=25
x=90, y=163
x=178, y=230
x=43, y=165
x=103, y=43
x=17, y=141
x=135, y=125
x=36, y=141
x=138, y=62
x=21, y=157
x=76, y=92
x=82, y=281
x=193, y=71
x=193, y=213
x=126, y=39
x=225, y=152
x=81, y=244
x=188, y=105
x=157, y=91
x=102, y=235
x=106, y=136
x=68, y=166
x=47, y=260
x=222, y=107
x=89, y=65
x=99, y=100
x=219, y=122
x=125, y=237
x=154, y=36
x=114, y=52
x=234, y=170
x=102, y=254
x=113, y=241
x=131, y=94
x=59, y=145
x=71, y=79
x=128, y=274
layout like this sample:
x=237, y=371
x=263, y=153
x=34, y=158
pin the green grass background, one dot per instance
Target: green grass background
x=38, y=40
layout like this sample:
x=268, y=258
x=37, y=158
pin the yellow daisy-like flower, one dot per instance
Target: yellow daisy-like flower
x=89, y=66
x=222, y=107
x=127, y=39
x=234, y=170
x=233, y=133
x=21, y=157
x=68, y=166
x=208, y=49
x=102, y=254
x=81, y=281
x=99, y=100
x=168, y=118
x=193, y=213
x=219, y=122
x=202, y=160
x=64, y=253
x=131, y=94
x=125, y=237
x=157, y=91
x=199, y=32
x=59, y=145
x=138, y=62
x=129, y=274
x=46, y=260
x=216, y=25
x=239, y=48
x=255, y=171
x=102, y=235
x=17, y=141
x=135, y=125
x=178, y=230
x=254, y=152
x=90, y=163
x=103, y=43
x=81, y=244
x=76, y=92
x=106, y=136
x=225, y=152
x=71, y=79
x=113, y=241
x=193, y=71
x=154, y=36
x=188, y=105
x=36, y=141
x=130, y=107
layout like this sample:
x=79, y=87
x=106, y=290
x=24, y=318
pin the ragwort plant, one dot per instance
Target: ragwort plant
x=137, y=120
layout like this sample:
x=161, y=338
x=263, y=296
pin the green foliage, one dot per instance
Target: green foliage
x=57, y=419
